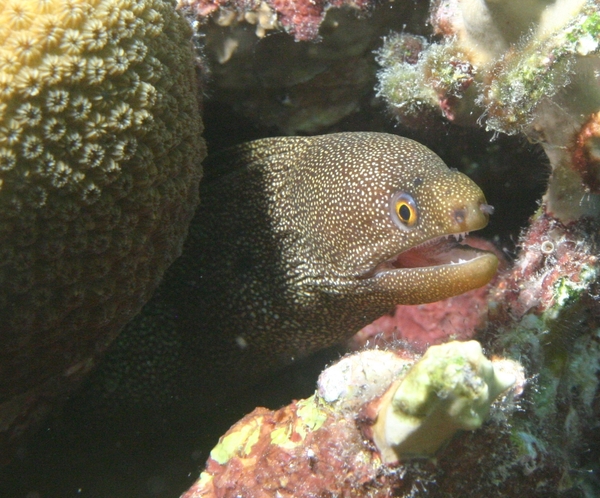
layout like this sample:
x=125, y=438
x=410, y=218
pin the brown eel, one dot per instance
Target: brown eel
x=298, y=243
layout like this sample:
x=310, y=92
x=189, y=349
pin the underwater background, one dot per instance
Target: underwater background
x=264, y=72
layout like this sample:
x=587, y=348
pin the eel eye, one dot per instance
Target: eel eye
x=404, y=210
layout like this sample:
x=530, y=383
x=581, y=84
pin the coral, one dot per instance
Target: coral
x=544, y=313
x=100, y=150
x=450, y=388
x=408, y=60
x=515, y=67
x=317, y=446
x=529, y=69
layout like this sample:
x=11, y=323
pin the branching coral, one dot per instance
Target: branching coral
x=529, y=68
x=532, y=68
x=450, y=388
x=100, y=150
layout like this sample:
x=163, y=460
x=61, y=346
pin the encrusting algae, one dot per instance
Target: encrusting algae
x=359, y=434
x=100, y=150
x=515, y=67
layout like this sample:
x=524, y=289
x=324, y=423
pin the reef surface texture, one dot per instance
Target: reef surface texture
x=301, y=19
x=526, y=68
x=523, y=68
x=100, y=150
x=294, y=87
x=321, y=444
x=517, y=67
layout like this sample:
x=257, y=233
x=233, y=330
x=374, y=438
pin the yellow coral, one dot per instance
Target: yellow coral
x=100, y=150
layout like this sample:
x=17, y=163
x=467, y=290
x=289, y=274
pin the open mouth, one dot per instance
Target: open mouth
x=441, y=251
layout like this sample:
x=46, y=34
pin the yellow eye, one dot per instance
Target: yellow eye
x=404, y=210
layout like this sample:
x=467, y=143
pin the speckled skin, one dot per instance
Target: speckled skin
x=281, y=259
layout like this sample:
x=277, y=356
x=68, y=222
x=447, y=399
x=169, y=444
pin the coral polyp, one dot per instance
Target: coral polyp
x=100, y=150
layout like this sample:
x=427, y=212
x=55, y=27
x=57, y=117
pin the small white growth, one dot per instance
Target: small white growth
x=587, y=45
x=360, y=377
x=265, y=19
x=230, y=45
x=547, y=247
x=225, y=17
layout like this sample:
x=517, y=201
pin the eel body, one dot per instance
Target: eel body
x=298, y=243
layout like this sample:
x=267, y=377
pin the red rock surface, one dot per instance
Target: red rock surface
x=329, y=461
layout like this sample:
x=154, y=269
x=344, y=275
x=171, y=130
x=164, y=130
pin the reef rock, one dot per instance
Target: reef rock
x=516, y=67
x=301, y=18
x=334, y=442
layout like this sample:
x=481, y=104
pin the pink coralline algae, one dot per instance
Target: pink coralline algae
x=551, y=252
x=585, y=153
x=273, y=453
x=300, y=18
x=418, y=326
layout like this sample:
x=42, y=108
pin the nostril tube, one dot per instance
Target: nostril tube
x=486, y=208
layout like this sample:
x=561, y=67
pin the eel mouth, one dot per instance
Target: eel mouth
x=438, y=252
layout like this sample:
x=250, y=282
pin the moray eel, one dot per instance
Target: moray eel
x=298, y=243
